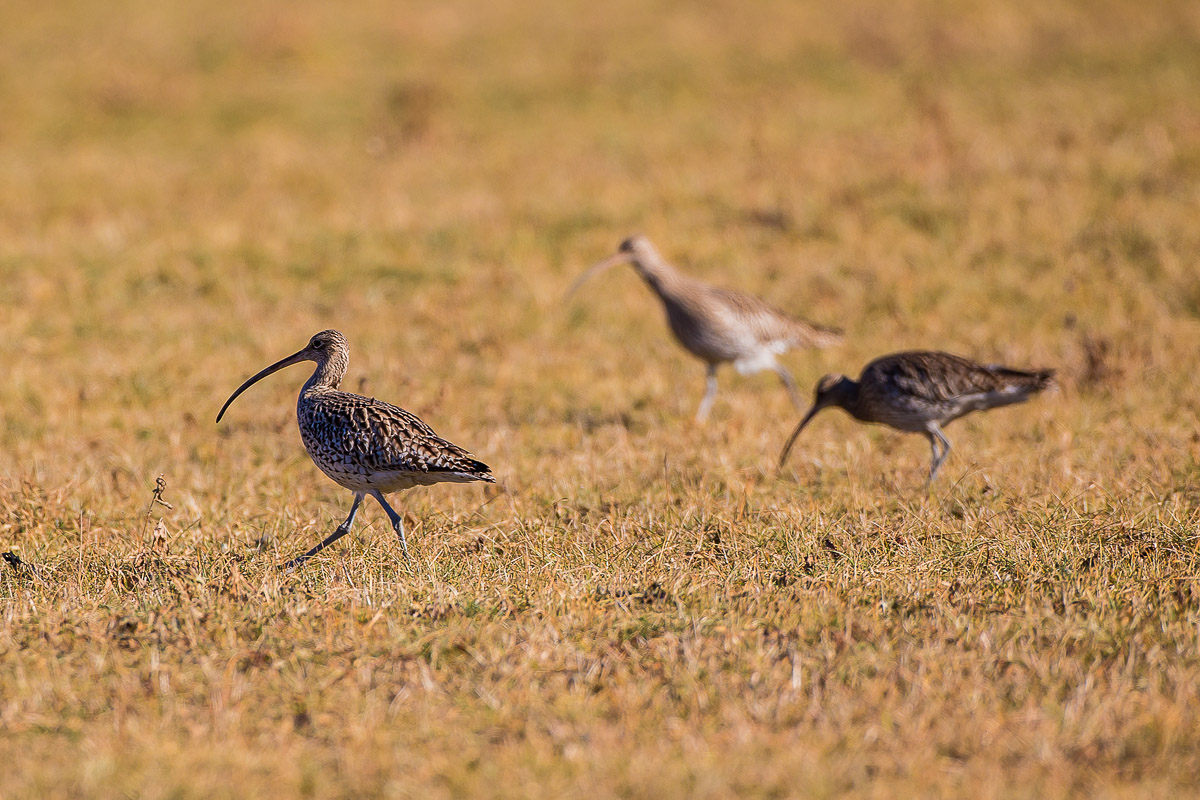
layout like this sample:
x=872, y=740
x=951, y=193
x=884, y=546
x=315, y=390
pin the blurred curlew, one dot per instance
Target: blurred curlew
x=718, y=326
x=921, y=391
x=366, y=445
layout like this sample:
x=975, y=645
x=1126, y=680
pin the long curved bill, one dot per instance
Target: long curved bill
x=596, y=269
x=787, y=448
x=295, y=358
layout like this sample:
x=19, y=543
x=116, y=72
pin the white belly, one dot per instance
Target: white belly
x=387, y=481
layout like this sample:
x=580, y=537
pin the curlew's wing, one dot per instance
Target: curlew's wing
x=385, y=438
x=768, y=324
x=937, y=377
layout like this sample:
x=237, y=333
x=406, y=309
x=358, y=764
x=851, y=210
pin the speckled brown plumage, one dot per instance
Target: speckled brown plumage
x=363, y=443
x=366, y=445
x=719, y=326
x=922, y=390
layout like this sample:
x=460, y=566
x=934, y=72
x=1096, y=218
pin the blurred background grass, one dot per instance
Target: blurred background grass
x=189, y=190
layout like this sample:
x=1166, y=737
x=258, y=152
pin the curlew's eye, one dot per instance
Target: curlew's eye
x=317, y=344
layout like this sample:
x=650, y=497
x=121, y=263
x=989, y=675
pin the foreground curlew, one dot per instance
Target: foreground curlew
x=718, y=326
x=366, y=445
x=921, y=391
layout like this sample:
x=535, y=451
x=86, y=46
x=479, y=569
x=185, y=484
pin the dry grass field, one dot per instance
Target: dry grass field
x=644, y=608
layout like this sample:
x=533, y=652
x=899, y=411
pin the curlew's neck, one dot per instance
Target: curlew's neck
x=329, y=372
x=661, y=277
x=846, y=395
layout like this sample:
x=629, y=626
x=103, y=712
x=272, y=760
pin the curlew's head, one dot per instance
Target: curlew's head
x=639, y=251
x=636, y=250
x=327, y=349
x=832, y=390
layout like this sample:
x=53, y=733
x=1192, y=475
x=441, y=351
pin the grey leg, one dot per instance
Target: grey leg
x=933, y=459
x=397, y=521
x=935, y=436
x=341, y=531
x=710, y=394
x=790, y=385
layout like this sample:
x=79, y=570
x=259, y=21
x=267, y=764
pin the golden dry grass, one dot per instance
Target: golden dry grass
x=188, y=190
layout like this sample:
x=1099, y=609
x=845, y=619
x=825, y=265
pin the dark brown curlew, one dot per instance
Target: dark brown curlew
x=718, y=326
x=921, y=391
x=366, y=445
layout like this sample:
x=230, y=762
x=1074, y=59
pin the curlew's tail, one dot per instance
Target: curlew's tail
x=446, y=462
x=808, y=335
x=464, y=472
x=1045, y=379
x=466, y=469
x=998, y=386
x=482, y=472
x=1026, y=382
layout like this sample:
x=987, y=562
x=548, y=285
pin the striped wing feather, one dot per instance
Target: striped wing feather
x=770, y=324
x=937, y=377
x=383, y=437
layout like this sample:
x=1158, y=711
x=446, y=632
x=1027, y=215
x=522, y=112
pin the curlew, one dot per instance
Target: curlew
x=365, y=445
x=921, y=391
x=718, y=326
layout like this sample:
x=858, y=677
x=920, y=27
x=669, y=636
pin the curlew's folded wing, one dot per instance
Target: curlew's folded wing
x=383, y=437
x=769, y=324
x=938, y=377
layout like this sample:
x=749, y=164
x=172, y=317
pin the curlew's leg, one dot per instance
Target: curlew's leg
x=936, y=436
x=710, y=394
x=341, y=531
x=397, y=521
x=790, y=385
x=933, y=459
